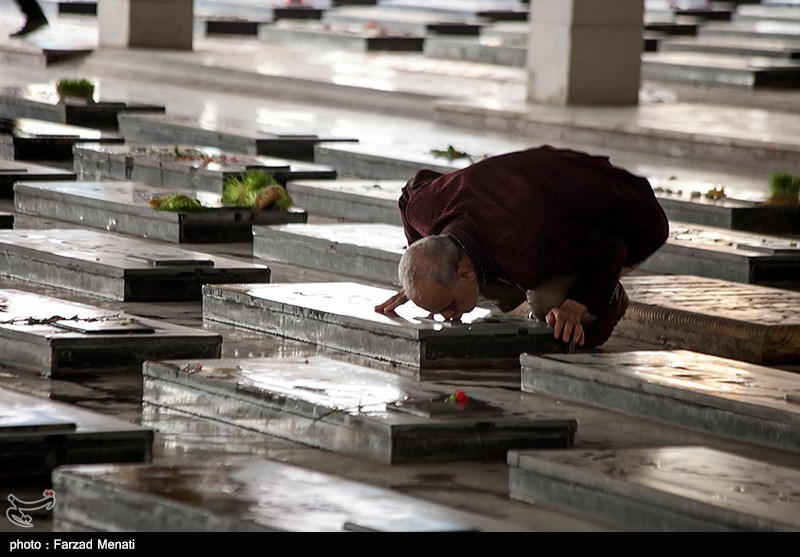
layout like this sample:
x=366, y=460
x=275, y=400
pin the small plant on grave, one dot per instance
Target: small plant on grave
x=451, y=154
x=256, y=189
x=716, y=193
x=178, y=203
x=80, y=88
x=784, y=188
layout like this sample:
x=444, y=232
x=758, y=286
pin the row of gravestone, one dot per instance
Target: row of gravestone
x=415, y=337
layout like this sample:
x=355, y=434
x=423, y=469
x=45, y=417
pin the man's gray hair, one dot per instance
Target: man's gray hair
x=434, y=257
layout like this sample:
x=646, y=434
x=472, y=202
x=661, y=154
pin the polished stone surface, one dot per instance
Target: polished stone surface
x=365, y=38
x=57, y=337
x=96, y=204
x=38, y=435
x=342, y=316
x=350, y=199
x=350, y=409
x=720, y=396
x=249, y=496
x=254, y=138
x=39, y=140
x=12, y=171
x=119, y=268
x=741, y=321
x=661, y=489
x=729, y=255
x=370, y=252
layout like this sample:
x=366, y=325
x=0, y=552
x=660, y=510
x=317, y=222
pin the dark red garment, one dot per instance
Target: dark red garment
x=526, y=216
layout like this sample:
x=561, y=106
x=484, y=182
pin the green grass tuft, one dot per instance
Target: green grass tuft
x=243, y=190
x=179, y=203
x=784, y=185
x=82, y=88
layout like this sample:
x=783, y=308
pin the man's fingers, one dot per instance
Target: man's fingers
x=389, y=305
x=568, y=326
x=577, y=333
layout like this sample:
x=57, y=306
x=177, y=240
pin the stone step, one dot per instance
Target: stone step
x=407, y=21
x=385, y=163
x=493, y=11
x=195, y=168
x=729, y=255
x=39, y=435
x=740, y=321
x=342, y=316
x=109, y=266
x=370, y=252
x=660, y=489
x=710, y=13
x=350, y=199
x=222, y=25
x=486, y=51
x=252, y=138
x=363, y=39
x=753, y=29
x=81, y=7
x=95, y=204
x=59, y=339
x=40, y=53
x=269, y=497
x=349, y=409
x=40, y=101
x=13, y=171
x=737, y=400
x=764, y=12
x=772, y=48
x=720, y=69
x=37, y=140
x=510, y=33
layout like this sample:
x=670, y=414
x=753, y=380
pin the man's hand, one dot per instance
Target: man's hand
x=388, y=307
x=566, y=321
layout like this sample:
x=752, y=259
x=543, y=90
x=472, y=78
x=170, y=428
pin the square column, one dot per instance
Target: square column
x=146, y=23
x=585, y=51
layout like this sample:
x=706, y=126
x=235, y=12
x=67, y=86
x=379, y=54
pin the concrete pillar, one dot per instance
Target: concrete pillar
x=146, y=23
x=585, y=51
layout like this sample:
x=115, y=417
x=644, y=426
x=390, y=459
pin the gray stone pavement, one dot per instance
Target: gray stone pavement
x=385, y=100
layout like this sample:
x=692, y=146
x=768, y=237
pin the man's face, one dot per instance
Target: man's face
x=450, y=303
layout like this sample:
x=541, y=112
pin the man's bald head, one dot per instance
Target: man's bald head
x=431, y=258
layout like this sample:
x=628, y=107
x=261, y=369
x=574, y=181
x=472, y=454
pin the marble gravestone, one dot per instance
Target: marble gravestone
x=369, y=251
x=13, y=171
x=95, y=204
x=37, y=140
x=238, y=137
x=39, y=434
x=728, y=254
x=247, y=496
x=740, y=321
x=57, y=338
x=40, y=100
x=117, y=268
x=342, y=316
x=184, y=167
x=741, y=401
x=350, y=199
x=660, y=489
x=350, y=409
x=348, y=37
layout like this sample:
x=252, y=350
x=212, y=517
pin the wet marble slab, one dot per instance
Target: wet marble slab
x=38, y=140
x=247, y=496
x=745, y=322
x=720, y=396
x=39, y=434
x=251, y=138
x=350, y=409
x=483, y=50
x=363, y=38
x=748, y=72
x=341, y=316
x=773, y=48
x=118, y=268
x=728, y=254
x=350, y=199
x=786, y=29
x=13, y=171
x=377, y=162
x=184, y=166
x=57, y=338
x=126, y=207
x=661, y=489
x=366, y=250
x=403, y=20
x=686, y=202
x=40, y=101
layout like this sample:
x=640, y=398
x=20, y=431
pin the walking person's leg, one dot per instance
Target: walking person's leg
x=34, y=15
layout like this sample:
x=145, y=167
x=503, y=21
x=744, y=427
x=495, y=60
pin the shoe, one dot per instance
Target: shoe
x=30, y=26
x=601, y=328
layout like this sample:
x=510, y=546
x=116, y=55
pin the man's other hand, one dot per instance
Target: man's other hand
x=388, y=307
x=566, y=321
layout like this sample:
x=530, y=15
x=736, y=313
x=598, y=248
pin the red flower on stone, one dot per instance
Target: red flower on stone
x=48, y=493
x=461, y=396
